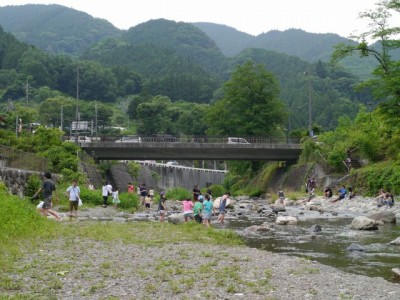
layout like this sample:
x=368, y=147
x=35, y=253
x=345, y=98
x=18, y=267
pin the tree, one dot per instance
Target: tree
x=151, y=115
x=250, y=105
x=386, y=81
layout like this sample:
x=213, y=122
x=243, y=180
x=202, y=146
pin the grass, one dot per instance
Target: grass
x=22, y=229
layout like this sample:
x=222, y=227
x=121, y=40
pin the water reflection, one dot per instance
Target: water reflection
x=329, y=246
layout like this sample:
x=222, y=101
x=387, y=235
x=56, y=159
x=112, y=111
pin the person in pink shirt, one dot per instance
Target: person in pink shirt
x=187, y=207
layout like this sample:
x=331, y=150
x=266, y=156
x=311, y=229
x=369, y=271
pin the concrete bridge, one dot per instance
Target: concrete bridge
x=272, y=149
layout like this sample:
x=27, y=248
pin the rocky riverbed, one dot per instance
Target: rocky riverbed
x=115, y=270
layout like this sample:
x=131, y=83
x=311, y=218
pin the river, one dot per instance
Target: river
x=330, y=245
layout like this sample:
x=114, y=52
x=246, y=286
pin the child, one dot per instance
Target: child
x=147, y=202
x=208, y=206
x=197, y=211
x=115, y=197
x=151, y=193
x=162, y=206
x=73, y=192
x=187, y=206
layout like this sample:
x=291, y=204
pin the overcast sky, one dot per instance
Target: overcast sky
x=250, y=16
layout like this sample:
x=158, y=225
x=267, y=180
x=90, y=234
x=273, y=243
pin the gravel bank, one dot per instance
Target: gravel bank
x=87, y=269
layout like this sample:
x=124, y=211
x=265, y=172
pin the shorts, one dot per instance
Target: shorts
x=207, y=215
x=73, y=204
x=147, y=205
x=222, y=211
x=47, y=203
x=188, y=215
x=198, y=218
x=162, y=212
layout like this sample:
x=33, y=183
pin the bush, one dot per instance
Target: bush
x=32, y=185
x=178, y=194
x=92, y=197
x=129, y=201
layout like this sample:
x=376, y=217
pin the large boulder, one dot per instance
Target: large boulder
x=384, y=217
x=363, y=223
x=286, y=220
x=217, y=201
x=176, y=218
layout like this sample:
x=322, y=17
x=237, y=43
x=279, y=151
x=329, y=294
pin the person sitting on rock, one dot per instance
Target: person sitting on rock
x=380, y=199
x=342, y=194
x=328, y=192
x=389, y=199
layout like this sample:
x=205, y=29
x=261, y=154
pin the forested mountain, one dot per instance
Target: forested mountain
x=163, y=72
x=172, y=59
x=184, y=39
x=310, y=47
x=55, y=28
x=229, y=40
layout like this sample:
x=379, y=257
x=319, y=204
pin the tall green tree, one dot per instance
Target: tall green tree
x=386, y=81
x=250, y=105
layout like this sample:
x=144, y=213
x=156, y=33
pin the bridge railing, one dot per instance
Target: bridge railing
x=188, y=139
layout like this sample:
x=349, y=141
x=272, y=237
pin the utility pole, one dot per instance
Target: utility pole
x=27, y=91
x=62, y=118
x=310, y=131
x=95, y=109
x=77, y=104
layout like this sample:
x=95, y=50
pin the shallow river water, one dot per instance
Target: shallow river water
x=329, y=245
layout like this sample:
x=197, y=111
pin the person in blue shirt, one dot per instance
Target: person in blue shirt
x=342, y=194
x=207, y=210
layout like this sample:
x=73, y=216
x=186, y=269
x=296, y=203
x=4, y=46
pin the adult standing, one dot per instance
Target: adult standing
x=106, y=191
x=73, y=192
x=143, y=193
x=222, y=207
x=48, y=187
x=196, y=192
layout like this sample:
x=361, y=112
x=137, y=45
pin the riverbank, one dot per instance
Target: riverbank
x=85, y=268
x=152, y=260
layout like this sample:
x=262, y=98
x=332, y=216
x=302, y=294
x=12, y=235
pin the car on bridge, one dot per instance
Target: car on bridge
x=129, y=139
x=237, y=140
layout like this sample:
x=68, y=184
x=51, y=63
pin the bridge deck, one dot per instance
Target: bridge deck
x=192, y=151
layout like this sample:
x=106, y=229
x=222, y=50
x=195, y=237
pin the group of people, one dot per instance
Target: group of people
x=107, y=191
x=202, y=207
x=48, y=188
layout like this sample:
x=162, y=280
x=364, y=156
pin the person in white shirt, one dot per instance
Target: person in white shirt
x=73, y=192
x=106, y=190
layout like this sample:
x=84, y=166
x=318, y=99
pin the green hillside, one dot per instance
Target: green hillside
x=163, y=72
x=55, y=28
x=183, y=39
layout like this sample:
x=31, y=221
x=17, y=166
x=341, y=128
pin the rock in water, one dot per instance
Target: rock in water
x=286, y=220
x=355, y=247
x=363, y=223
x=315, y=228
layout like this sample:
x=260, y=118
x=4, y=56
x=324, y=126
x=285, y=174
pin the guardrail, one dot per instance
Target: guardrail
x=171, y=139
